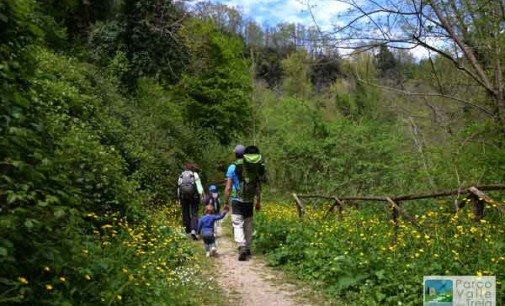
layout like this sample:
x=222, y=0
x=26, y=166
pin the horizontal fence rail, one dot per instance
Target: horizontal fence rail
x=475, y=193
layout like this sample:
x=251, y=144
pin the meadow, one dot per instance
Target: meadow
x=358, y=260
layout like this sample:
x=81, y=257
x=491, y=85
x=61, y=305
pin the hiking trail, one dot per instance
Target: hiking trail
x=251, y=282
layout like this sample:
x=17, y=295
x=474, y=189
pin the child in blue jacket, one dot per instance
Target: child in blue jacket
x=206, y=229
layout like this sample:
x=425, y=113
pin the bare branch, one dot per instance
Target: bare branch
x=482, y=78
x=458, y=65
x=408, y=93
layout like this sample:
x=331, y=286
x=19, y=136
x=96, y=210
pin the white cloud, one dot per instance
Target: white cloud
x=291, y=11
x=325, y=13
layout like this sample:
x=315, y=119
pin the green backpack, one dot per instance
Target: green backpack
x=250, y=171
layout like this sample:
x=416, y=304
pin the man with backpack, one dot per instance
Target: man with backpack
x=243, y=186
x=189, y=193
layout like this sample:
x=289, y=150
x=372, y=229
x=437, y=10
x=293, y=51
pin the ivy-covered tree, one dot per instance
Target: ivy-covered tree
x=152, y=40
x=148, y=33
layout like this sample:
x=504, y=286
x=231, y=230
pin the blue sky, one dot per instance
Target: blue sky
x=272, y=12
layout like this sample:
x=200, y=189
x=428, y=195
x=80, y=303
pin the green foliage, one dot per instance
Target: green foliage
x=159, y=141
x=77, y=160
x=268, y=64
x=17, y=32
x=297, y=75
x=357, y=261
x=86, y=147
x=216, y=92
x=148, y=34
x=386, y=63
x=351, y=156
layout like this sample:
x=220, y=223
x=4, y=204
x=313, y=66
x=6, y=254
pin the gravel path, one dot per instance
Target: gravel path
x=251, y=282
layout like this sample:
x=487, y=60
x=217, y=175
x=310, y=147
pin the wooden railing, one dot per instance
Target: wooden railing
x=474, y=193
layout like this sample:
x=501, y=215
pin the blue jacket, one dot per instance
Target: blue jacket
x=206, y=224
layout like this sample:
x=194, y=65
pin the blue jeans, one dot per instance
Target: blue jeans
x=209, y=241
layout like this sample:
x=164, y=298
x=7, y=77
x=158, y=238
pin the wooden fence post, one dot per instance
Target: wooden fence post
x=339, y=206
x=479, y=198
x=403, y=212
x=299, y=206
x=395, y=221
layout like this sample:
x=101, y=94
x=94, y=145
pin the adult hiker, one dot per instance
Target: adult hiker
x=243, y=187
x=189, y=193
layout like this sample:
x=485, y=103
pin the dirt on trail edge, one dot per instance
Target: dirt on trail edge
x=251, y=282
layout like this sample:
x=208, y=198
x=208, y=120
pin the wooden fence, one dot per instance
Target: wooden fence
x=474, y=193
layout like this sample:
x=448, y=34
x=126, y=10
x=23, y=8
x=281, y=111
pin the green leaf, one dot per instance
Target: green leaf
x=29, y=223
x=58, y=213
x=3, y=18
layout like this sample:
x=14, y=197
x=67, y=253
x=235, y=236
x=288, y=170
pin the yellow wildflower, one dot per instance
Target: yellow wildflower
x=49, y=287
x=87, y=277
x=22, y=280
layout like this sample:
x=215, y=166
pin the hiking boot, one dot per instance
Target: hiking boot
x=207, y=254
x=213, y=251
x=242, y=254
x=193, y=234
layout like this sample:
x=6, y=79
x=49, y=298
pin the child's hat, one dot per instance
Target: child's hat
x=212, y=188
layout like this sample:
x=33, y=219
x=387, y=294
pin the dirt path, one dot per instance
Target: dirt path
x=251, y=282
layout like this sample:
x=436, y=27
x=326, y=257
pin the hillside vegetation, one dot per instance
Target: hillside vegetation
x=102, y=102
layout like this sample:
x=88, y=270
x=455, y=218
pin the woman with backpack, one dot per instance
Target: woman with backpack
x=189, y=193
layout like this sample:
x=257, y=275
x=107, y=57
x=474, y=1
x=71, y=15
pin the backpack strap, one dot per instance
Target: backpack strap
x=239, y=169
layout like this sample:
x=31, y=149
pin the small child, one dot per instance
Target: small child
x=206, y=229
x=213, y=199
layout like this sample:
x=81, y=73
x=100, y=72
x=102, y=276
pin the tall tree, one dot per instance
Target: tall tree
x=296, y=68
x=152, y=40
x=79, y=15
x=386, y=62
x=325, y=70
x=216, y=89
